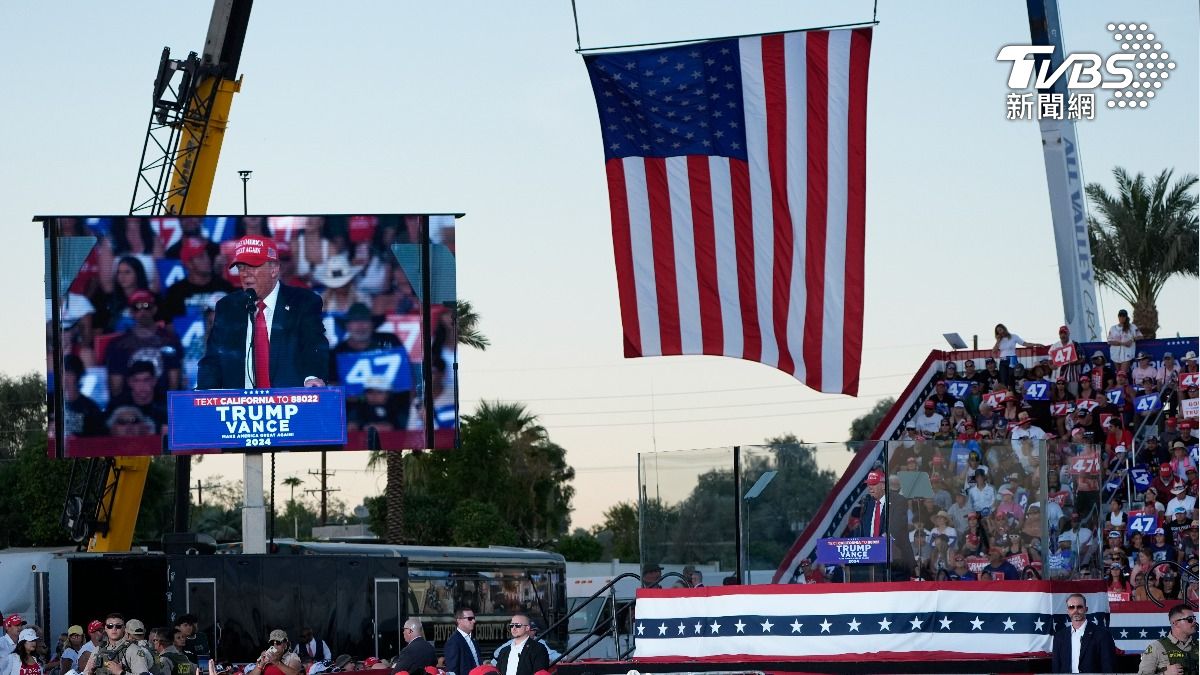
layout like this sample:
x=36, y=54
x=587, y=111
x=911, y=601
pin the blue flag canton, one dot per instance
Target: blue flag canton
x=670, y=102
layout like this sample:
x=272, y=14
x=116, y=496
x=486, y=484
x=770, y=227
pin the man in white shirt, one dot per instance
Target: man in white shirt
x=13, y=624
x=1081, y=646
x=928, y=421
x=1025, y=429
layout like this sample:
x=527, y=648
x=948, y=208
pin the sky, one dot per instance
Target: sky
x=486, y=109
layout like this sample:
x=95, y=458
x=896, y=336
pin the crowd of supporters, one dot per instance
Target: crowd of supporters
x=1119, y=498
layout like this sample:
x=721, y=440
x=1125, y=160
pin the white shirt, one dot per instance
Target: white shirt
x=314, y=649
x=269, y=315
x=71, y=657
x=514, y=655
x=1076, y=645
x=471, y=645
x=1185, y=500
x=1008, y=346
x=7, y=645
x=1121, y=353
x=928, y=423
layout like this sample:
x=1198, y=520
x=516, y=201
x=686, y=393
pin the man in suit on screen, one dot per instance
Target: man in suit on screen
x=267, y=335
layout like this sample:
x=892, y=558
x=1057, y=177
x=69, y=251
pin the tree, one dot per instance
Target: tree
x=580, y=546
x=621, y=524
x=292, y=482
x=468, y=326
x=863, y=426
x=502, y=445
x=1146, y=234
x=701, y=527
x=32, y=485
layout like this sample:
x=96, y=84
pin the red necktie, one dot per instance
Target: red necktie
x=875, y=527
x=262, y=348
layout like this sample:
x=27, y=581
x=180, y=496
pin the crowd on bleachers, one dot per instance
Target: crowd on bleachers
x=1119, y=498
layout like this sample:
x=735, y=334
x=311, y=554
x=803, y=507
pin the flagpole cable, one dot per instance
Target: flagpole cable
x=665, y=43
x=874, y=17
x=575, y=14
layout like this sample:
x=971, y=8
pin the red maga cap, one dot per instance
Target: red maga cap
x=192, y=247
x=254, y=251
x=874, y=478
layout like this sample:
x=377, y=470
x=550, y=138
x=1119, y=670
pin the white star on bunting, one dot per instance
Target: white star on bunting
x=766, y=626
x=1037, y=625
x=945, y=623
x=716, y=627
x=740, y=626
x=825, y=626
x=641, y=629
x=854, y=624
x=662, y=630
x=1009, y=623
x=796, y=626
x=916, y=623
x=977, y=624
x=885, y=624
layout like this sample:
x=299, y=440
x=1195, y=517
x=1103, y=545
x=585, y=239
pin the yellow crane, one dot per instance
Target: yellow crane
x=192, y=98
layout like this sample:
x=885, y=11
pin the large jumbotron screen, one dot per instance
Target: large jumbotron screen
x=137, y=300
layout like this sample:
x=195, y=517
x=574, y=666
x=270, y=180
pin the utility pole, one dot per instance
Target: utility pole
x=324, y=490
x=200, y=492
x=245, y=176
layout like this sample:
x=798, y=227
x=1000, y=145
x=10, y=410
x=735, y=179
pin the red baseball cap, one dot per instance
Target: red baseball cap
x=192, y=247
x=1064, y=329
x=141, y=295
x=874, y=478
x=929, y=403
x=254, y=251
x=370, y=661
x=14, y=620
x=95, y=625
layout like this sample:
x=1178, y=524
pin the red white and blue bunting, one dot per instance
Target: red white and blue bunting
x=844, y=622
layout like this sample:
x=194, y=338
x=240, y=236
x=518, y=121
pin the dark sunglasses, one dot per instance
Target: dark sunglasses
x=143, y=305
x=1189, y=619
x=1076, y=606
x=278, y=642
x=467, y=618
x=117, y=625
x=517, y=625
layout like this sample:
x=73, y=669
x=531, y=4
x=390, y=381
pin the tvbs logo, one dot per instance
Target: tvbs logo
x=1134, y=73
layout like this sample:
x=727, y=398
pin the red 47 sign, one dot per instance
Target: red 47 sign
x=1061, y=409
x=1085, y=464
x=1061, y=355
x=995, y=399
x=1189, y=380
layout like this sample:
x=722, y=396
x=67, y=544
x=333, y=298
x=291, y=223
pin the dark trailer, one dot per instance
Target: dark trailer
x=355, y=596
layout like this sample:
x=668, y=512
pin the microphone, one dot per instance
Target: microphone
x=251, y=300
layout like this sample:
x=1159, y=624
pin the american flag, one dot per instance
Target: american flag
x=736, y=174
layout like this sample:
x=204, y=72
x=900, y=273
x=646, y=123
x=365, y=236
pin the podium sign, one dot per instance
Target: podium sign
x=256, y=418
x=852, y=551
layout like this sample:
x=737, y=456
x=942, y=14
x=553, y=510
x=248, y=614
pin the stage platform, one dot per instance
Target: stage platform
x=912, y=627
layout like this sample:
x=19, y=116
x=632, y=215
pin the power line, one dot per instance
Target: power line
x=686, y=393
x=707, y=419
x=696, y=407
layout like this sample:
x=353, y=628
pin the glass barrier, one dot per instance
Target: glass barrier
x=942, y=508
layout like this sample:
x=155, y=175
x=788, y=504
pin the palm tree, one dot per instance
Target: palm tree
x=468, y=326
x=292, y=482
x=1146, y=234
x=468, y=334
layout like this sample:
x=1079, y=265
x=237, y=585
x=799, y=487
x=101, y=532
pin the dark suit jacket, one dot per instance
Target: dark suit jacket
x=415, y=657
x=533, y=658
x=457, y=654
x=1096, y=650
x=895, y=523
x=298, y=345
